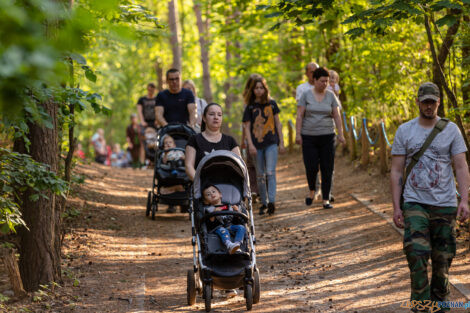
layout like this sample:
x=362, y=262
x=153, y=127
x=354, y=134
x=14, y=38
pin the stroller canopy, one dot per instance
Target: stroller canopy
x=179, y=132
x=222, y=168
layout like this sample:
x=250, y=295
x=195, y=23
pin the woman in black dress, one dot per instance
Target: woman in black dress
x=210, y=139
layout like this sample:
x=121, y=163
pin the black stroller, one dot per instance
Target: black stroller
x=170, y=174
x=214, y=267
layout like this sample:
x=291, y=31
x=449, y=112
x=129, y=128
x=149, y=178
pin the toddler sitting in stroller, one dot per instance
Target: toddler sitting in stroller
x=173, y=157
x=223, y=225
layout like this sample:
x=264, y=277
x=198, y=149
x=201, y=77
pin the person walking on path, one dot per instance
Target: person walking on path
x=429, y=210
x=317, y=115
x=309, y=84
x=263, y=131
x=175, y=104
x=134, y=142
x=99, y=144
x=250, y=160
x=200, y=103
x=146, y=107
x=209, y=139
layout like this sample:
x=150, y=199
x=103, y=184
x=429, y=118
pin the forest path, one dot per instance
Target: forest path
x=311, y=260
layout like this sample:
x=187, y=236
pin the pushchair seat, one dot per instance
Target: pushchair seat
x=230, y=194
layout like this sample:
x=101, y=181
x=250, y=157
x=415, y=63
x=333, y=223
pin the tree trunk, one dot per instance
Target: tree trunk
x=230, y=97
x=40, y=245
x=203, y=27
x=466, y=69
x=11, y=265
x=159, y=74
x=227, y=86
x=449, y=92
x=174, y=38
x=444, y=51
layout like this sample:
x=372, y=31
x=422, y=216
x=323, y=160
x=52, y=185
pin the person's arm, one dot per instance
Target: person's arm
x=236, y=150
x=192, y=114
x=278, y=123
x=298, y=123
x=396, y=185
x=339, y=125
x=129, y=142
x=249, y=140
x=243, y=143
x=199, y=112
x=159, y=111
x=463, y=180
x=141, y=115
x=190, y=160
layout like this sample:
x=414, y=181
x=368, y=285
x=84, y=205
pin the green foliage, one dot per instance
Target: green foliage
x=19, y=172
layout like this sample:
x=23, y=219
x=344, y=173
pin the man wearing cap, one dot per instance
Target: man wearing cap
x=430, y=205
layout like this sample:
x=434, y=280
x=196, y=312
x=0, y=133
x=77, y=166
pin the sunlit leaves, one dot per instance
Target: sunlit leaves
x=17, y=172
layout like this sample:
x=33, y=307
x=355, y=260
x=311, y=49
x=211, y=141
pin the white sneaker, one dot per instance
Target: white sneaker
x=232, y=247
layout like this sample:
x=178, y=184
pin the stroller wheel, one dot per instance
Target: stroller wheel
x=207, y=297
x=249, y=297
x=154, y=210
x=191, y=288
x=256, y=287
x=149, y=204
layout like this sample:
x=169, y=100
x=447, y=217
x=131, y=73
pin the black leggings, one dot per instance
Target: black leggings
x=319, y=150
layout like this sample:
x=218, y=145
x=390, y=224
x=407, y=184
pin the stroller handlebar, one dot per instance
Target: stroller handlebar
x=222, y=213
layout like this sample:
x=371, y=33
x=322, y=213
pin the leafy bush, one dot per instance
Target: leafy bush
x=19, y=172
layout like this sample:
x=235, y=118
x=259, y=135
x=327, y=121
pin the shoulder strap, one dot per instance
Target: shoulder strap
x=441, y=124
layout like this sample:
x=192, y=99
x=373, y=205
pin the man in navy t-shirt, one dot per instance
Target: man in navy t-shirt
x=175, y=104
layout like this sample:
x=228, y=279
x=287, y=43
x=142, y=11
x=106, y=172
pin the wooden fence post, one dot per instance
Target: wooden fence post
x=346, y=137
x=290, y=127
x=9, y=259
x=352, y=142
x=382, y=150
x=364, y=145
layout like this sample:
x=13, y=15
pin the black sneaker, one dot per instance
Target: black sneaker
x=261, y=209
x=171, y=209
x=271, y=208
x=332, y=198
x=327, y=206
x=308, y=201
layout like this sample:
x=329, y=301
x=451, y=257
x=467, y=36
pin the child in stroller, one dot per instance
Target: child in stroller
x=223, y=225
x=173, y=158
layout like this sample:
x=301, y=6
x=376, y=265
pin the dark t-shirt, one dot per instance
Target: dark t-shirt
x=148, y=109
x=204, y=147
x=175, y=105
x=263, y=126
x=134, y=134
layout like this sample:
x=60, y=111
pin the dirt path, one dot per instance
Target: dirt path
x=311, y=260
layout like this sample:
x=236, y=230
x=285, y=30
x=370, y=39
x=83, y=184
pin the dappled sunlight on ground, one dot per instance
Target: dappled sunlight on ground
x=311, y=260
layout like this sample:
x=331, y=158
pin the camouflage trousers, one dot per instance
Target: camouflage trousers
x=429, y=232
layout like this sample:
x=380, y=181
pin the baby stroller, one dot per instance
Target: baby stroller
x=170, y=174
x=214, y=267
x=150, y=142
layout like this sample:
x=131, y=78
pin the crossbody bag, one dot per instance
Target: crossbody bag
x=440, y=125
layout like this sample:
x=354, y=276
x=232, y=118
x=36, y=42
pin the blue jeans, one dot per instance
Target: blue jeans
x=224, y=233
x=266, y=160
